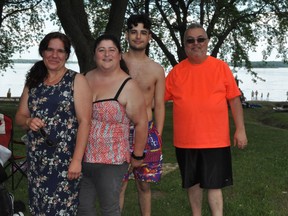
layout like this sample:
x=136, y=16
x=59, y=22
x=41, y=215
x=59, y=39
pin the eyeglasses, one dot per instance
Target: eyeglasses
x=48, y=141
x=193, y=40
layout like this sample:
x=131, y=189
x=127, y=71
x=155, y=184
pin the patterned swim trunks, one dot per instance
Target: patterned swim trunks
x=151, y=168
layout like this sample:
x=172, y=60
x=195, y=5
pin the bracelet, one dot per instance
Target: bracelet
x=138, y=157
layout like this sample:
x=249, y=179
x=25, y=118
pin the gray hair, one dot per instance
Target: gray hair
x=193, y=26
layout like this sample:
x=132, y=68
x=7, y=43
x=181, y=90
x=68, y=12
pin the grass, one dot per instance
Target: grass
x=260, y=171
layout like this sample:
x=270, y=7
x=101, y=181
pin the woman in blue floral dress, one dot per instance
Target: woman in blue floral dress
x=55, y=109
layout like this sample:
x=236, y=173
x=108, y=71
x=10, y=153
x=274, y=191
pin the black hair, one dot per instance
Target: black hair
x=116, y=42
x=139, y=18
x=107, y=37
x=38, y=71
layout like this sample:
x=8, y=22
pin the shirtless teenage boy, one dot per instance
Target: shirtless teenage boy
x=151, y=79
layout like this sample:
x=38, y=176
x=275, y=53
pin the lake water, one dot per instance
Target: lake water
x=276, y=84
x=15, y=78
x=275, y=87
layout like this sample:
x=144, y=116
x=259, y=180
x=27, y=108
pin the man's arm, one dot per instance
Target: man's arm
x=159, y=103
x=136, y=112
x=240, y=138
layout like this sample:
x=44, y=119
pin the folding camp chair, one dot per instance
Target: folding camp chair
x=16, y=163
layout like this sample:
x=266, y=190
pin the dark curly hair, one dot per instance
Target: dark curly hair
x=139, y=18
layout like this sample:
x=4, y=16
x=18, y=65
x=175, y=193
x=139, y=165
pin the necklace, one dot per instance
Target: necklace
x=55, y=79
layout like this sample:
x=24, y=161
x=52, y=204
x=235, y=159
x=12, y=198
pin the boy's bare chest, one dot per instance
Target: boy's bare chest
x=144, y=78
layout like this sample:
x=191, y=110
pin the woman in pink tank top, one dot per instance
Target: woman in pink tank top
x=118, y=101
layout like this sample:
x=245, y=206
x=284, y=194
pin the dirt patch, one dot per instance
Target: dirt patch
x=169, y=167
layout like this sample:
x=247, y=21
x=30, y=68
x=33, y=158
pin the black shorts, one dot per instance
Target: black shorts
x=212, y=168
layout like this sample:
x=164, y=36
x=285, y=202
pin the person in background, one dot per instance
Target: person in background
x=118, y=101
x=55, y=109
x=261, y=95
x=151, y=79
x=199, y=87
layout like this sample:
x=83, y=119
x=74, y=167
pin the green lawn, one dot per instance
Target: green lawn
x=260, y=171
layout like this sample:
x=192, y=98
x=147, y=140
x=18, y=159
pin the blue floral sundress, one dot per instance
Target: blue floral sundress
x=50, y=192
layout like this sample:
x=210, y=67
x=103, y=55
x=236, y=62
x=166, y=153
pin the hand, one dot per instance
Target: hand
x=74, y=170
x=240, y=139
x=135, y=163
x=34, y=123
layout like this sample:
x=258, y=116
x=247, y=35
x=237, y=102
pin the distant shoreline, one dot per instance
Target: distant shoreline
x=11, y=99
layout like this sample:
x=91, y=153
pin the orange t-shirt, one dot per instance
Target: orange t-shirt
x=199, y=93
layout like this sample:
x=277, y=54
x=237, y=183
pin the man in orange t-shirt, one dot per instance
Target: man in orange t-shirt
x=199, y=87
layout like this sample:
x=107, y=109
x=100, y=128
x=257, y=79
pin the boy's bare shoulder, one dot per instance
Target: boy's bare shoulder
x=145, y=65
x=155, y=65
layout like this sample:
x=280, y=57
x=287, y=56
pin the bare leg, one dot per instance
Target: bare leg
x=122, y=194
x=215, y=200
x=144, y=196
x=195, y=195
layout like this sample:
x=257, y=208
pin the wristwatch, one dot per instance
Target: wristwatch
x=138, y=157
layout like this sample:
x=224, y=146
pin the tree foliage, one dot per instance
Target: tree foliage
x=235, y=27
x=21, y=23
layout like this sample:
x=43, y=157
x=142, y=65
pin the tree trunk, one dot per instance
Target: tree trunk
x=116, y=17
x=1, y=11
x=74, y=21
